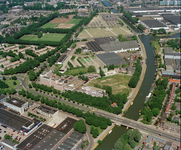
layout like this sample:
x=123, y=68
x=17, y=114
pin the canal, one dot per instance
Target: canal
x=138, y=103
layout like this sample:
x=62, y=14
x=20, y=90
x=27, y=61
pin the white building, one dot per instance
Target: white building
x=16, y=105
x=46, y=111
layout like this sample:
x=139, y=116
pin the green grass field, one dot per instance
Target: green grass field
x=50, y=25
x=47, y=37
x=75, y=71
x=10, y=83
x=98, y=128
x=74, y=21
x=119, y=83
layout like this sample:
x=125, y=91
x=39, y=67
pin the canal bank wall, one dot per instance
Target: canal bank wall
x=135, y=91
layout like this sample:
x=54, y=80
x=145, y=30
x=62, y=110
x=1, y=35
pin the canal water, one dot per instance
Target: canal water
x=138, y=103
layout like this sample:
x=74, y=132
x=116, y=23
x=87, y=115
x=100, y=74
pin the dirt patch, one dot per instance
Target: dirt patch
x=59, y=20
x=64, y=26
x=71, y=16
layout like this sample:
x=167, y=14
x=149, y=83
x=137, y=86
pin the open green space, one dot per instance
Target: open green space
x=76, y=71
x=98, y=128
x=10, y=83
x=119, y=83
x=50, y=25
x=74, y=21
x=47, y=37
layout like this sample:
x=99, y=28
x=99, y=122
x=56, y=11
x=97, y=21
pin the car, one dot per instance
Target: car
x=160, y=134
x=18, y=133
x=4, y=131
x=19, y=138
x=0, y=131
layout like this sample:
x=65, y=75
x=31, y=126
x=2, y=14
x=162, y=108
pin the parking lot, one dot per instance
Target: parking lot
x=14, y=134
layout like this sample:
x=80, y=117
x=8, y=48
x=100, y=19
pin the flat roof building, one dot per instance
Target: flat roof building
x=47, y=138
x=17, y=122
x=111, y=58
x=16, y=105
x=61, y=59
x=47, y=111
x=117, y=46
x=153, y=24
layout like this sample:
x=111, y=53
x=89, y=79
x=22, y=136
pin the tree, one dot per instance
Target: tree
x=4, y=78
x=172, y=113
x=155, y=111
x=82, y=146
x=80, y=126
x=174, y=107
x=127, y=147
x=6, y=136
x=29, y=113
x=99, y=142
x=3, y=85
x=154, y=32
x=14, y=83
x=29, y=85
x=91, y=69
x=101, y=72
x=141, y=27
x=148, y=116
x=14, y=78
x=132, y=143
x=144, y=110
x=32, y=75
x=73, y=45
x=118, y=145
x=95, y=133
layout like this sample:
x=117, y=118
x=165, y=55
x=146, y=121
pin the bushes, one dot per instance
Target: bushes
x=136, y=76
x=73, y=45
x=80, y=62
x=73, y=57
x=70, y=65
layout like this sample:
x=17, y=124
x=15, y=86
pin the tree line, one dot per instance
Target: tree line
x=136, y=76
x=128, y=15
x=98, y=120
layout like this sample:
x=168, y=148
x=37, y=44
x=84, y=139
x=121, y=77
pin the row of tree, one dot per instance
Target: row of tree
x=136, y=76
x=99, y=121
x=128, y=15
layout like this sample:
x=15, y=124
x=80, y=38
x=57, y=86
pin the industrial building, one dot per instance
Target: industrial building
x=111, y=58
x=118, y=47
x=93, y=91
x=3, y=98
x=16, y=105
x=175, y=20
x=108, y=44
x=47, y=111
x=153, y=24
x=61, y=59
x=18, y=123
x=46, y=137
x=172, y=61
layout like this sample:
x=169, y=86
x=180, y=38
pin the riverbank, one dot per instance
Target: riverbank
x=161, y=35
x=102, y=136
x=133, y=94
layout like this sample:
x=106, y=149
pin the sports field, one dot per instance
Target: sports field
x=119, y=83
x=74, y=21
x=47, y=37
x=50, y=25
x=103, y=32
x=61, y=23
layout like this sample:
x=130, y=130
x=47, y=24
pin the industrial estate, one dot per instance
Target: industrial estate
x=85, y=75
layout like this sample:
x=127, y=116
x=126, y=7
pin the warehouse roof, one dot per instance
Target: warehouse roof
x=36, y=137
x=46, y=109
x=116, y=45
x=12, y=120
x=173, y=18
x=16, y=102
x=71, y=141
x=104, y=40
x=62, y=58
x=153, y=23
x=94, y=46
x=111, y=58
